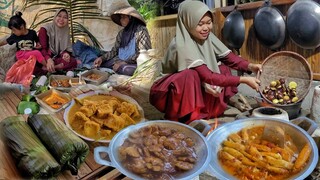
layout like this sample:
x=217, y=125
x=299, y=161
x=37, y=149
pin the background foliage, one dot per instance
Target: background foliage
x=79, y=10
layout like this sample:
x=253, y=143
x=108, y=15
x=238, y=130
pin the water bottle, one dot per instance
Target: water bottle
x=143, y=56
x=42, y=80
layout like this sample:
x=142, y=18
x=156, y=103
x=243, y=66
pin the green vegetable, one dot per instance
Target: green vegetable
x=35, y=108
x=41, y=89
x=32, y=158
x=68, y=149
x=28, y=97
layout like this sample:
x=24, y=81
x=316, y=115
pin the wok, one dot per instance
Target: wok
x=234, y=30
x=303, y=23
x=201, y=148
x=270, y=26
x=300, y=136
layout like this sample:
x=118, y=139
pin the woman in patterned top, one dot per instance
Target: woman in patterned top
x=130, y=40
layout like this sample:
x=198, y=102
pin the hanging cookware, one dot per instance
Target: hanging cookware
x=234, y=30
x=270, y=26
x=303, y=23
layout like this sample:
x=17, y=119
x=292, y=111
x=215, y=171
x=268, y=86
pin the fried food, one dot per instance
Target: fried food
x=256, y=159
x=99, y=117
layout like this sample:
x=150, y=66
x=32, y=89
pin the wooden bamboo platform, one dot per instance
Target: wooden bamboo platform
x=88, y=170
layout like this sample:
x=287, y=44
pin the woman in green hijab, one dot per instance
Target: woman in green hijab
x=199, y=82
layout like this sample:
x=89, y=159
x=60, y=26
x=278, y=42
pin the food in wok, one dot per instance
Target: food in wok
x=156, y=152
x=101, y=116
x=246, y=155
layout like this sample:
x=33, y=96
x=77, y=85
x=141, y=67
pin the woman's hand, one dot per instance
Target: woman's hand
x=50, y=65
x=211, y=89
x=117, y=64
x=97, y=62
x=66, y=57
x=255, y=67
x=250, y=81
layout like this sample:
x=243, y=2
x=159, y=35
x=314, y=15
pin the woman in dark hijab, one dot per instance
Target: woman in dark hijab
x=130, y=40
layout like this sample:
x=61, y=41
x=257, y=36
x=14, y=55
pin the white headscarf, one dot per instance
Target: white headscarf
x=59, y=38
x=184, y=52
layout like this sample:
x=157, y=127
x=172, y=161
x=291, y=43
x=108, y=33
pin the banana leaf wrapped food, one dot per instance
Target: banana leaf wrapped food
x=68, y=149
x=32, y=157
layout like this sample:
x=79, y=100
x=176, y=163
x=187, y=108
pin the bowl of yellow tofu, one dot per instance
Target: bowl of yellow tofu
x=98, y=116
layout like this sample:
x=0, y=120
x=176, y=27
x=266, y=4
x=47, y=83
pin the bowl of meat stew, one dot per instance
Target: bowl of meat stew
x=157, y=149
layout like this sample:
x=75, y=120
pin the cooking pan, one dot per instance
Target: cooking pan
x=300, y=136
x=234, y=30
x=201, y=148
x=303, y=23
x=270, y=26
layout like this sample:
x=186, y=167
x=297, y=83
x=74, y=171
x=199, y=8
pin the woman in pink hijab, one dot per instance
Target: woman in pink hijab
x=56, y=44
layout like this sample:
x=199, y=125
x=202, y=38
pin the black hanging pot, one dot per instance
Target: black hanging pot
x=234, y=30
x=303, y=23
x=270, y=26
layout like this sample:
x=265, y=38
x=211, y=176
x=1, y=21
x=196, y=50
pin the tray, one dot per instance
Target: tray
x=40, y=99
x=103, y=76
x=60, y=78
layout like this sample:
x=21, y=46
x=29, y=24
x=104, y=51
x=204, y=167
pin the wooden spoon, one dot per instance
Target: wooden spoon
x=274, y=134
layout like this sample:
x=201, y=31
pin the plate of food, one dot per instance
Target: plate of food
x=98, y=115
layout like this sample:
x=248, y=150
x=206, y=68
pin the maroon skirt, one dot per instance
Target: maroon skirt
x=181, y=95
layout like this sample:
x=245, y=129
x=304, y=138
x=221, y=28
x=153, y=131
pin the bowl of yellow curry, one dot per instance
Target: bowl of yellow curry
x=240, y=152
x=98, y=116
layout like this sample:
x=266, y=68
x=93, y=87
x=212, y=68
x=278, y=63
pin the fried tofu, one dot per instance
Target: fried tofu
x=115, y=122
x=104, y=110
x=91, y=128
x=128, y=120
x=89, y=110
x=79, y=120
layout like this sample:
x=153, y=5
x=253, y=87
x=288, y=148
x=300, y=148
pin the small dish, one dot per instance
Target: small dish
x=53, y=100
x=60, y=82
x=77, y=81
x=95, y=76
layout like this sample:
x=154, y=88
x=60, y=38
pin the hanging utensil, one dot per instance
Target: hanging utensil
x=303, y=23
x=270, y=26
x=234, y=30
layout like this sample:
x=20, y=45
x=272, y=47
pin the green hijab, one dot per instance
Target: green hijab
x=184, y=52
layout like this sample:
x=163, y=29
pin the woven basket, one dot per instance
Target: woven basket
x=290, y=66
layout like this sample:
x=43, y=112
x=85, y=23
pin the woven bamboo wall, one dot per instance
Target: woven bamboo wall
x=163, y=30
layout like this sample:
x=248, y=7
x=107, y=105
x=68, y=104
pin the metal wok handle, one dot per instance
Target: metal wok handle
x=98, y=158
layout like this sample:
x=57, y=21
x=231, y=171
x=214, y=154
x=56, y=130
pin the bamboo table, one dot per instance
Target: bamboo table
x=8, y=170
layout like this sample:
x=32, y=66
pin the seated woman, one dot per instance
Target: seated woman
x=56, y=44
x=130, y=40
x=196, y=86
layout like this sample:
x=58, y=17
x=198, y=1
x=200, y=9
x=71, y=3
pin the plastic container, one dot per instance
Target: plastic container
x=143, y=57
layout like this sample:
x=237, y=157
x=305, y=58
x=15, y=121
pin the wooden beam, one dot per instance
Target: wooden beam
x=254, y=5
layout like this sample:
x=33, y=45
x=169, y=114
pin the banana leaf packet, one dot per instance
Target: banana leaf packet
x=31, y=156
x=67, y=148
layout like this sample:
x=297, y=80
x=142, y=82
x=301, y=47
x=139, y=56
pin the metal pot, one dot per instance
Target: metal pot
x=201, y=145
x=300, y=136
x=233, y=31
x=303, y=23
x=270, y=26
